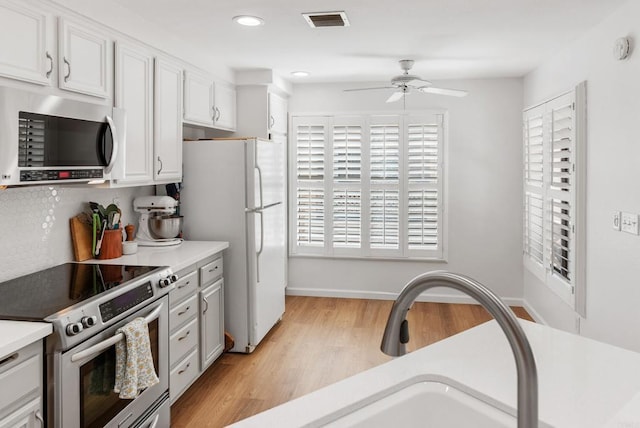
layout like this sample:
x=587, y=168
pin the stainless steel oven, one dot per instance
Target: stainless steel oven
x=84, y=394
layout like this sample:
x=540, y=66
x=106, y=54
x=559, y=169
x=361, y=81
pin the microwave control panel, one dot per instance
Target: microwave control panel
x=60, y=174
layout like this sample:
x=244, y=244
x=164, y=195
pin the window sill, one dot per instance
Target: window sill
x=370, y=258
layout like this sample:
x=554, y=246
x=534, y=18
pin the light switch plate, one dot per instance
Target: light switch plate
x=630, y=223
x=617, y=216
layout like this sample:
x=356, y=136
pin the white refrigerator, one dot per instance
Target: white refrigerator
x=234, y=190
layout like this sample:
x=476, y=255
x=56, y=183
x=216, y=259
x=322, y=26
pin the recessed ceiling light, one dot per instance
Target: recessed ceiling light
x=300, y=73
x=248, y=20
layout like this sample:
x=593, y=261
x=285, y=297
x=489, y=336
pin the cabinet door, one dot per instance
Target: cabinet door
x=84, y=60
x=28, y=416
x=167, y=130
x=198, y=99
x=225, y=106
x=277, y=114
x=211, y=323
x=26, y=51
x=134, y=93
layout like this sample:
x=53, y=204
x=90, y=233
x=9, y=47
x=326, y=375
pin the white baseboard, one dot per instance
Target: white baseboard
x=534, y=314
x=384, y=295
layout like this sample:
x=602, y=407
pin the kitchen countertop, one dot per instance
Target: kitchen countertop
x=582, y=383
x=176, y=256
x=15, y=335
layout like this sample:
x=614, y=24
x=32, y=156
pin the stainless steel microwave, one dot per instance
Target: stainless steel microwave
x=50, y=139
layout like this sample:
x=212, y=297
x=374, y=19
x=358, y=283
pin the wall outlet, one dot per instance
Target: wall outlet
x=630, y=223
x=617, y=217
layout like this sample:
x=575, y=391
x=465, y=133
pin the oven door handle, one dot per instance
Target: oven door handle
x=107, y=343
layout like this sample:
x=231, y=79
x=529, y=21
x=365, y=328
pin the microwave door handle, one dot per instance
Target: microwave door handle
x=114, y=138
x=107, y=343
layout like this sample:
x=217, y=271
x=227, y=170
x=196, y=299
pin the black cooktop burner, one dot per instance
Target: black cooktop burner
x=38, y=295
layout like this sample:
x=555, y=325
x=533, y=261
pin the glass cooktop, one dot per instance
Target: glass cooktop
x=38, y=295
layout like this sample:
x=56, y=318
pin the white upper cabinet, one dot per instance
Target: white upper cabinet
x=84, y=60
x=225, y=106
x=198, y=99
x=26, y=47
x=209, y=103
x=167, y=121
x=134, y=94
x=277, y=115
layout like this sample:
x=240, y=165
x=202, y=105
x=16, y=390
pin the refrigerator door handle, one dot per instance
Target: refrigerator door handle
x=260, y=185
x=259, y=211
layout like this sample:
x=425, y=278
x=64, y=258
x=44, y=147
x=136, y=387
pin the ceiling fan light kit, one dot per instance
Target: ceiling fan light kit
x=405, y=83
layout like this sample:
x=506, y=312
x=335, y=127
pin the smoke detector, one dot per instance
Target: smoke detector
x=326, y=19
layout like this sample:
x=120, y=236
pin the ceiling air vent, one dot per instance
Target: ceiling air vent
x=326, y=19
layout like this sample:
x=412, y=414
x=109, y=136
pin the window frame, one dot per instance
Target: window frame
x=366, y=120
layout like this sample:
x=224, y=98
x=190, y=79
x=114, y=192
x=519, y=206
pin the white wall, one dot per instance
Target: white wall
x=613, y=177
x=484, y=192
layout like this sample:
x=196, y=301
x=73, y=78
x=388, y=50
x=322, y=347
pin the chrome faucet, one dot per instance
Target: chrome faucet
x=396, y=333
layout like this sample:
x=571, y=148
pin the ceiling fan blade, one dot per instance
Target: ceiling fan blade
x=416, y=83
x=443, y=91
x=396, y=96
x=368, y=89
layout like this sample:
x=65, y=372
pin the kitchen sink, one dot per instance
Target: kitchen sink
x=426, y=404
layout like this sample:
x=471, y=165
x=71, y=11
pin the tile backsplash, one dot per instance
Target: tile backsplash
x=34, y=223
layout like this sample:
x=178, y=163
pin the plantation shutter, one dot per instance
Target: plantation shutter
x=534, y=203
x=553, y=207
x=310, y=135
x=561, y=122
x=384, y=196
x=347, y=137
x=424, y=182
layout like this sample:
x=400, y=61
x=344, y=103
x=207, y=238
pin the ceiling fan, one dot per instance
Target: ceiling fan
x=405, y=83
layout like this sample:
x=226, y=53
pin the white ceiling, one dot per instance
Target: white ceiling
x=449, y=39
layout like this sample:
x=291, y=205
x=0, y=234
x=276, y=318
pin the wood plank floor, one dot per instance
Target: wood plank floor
x=318, y=342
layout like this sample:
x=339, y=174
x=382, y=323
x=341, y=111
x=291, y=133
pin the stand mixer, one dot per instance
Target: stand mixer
x=157, y=227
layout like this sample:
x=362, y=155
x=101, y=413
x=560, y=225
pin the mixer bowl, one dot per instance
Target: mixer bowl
x=165, y=226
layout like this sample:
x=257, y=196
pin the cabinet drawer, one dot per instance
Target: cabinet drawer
x=211, y=271
x=182, y=341
x=183, y=312
x=20, y=376
x=185, y=286
x=29, y=415
x=182, y=376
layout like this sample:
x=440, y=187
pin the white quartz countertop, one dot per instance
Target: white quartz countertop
x=582, y=383
x=15, y=335
x=176, y=256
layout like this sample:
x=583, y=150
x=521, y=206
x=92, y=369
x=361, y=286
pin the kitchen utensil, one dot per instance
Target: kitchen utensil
x=81, y=239
x=96, y=221
x=99, y=243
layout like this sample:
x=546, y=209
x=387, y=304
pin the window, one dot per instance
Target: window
x=368, y=186
x=553, y=195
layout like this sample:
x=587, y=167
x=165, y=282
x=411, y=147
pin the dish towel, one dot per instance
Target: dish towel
x=134, y=361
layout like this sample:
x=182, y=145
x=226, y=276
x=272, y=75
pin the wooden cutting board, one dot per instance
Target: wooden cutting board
x=81, y=239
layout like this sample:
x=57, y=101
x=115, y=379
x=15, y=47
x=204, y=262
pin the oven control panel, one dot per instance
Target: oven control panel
x=118, y=305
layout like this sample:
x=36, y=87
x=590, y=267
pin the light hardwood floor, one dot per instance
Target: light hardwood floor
x=318, y=342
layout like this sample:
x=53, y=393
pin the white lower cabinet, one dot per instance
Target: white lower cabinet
x=21, y=375
x=211, y=323
x=196, y=323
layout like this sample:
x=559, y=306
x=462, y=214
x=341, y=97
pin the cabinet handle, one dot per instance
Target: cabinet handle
x=68, y=75
x=206, y=302
x=10, y=358
x=213, y=111
x=38, y=416
x=184, y=369
x=272, y=121
x=215, y=268
x=184, y=285
x=184, y=312
x=160, y=169
x=184, y=337
x=217, y=114
x=50, y=58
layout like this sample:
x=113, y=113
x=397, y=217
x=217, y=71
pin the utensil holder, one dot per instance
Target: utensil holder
x=111, y=247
